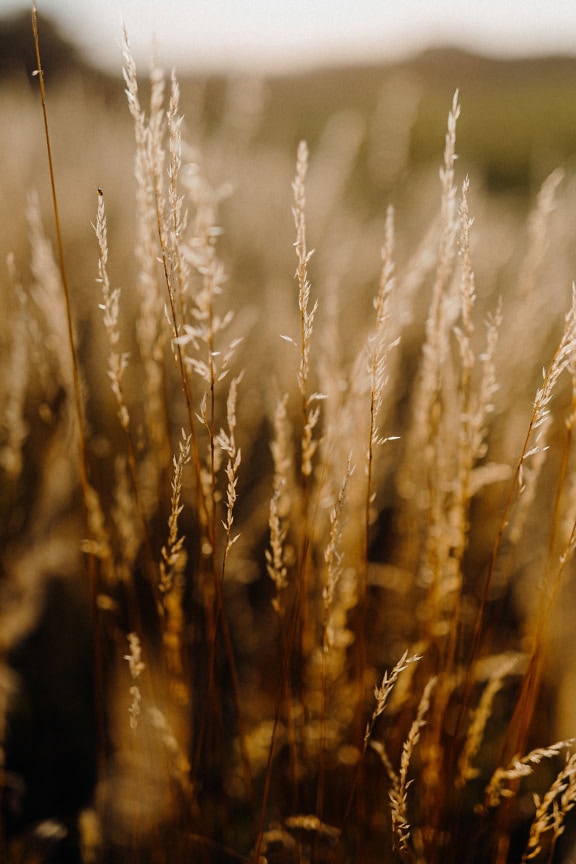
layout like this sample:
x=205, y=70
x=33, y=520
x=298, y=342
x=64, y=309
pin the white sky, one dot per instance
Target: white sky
x=293, y=33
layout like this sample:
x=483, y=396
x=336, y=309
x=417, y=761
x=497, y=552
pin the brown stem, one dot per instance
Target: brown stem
x=79, y=404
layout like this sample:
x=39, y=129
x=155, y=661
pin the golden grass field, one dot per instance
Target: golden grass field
x=288, y=389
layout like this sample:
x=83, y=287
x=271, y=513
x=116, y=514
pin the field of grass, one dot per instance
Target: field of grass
x=288, y=491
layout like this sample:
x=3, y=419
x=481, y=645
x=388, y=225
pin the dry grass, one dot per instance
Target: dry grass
x=322, y=526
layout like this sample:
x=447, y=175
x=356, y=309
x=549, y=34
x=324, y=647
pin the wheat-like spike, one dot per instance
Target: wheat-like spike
x=399, y=792
x=552, y=809
x=382, y=693
x=333, y=553
x=46, y=291
x=149, y=325
x=518, y=768
x=436, y=337
x=136, y=666
x=227, y=441
x=538, y=229
x=310, y=411
x=303, y=255
x=426, y=451
x=536, y=447
x=477, y=726
x=173, y=553
x=379, y=343
x=177, y=213
x=276, y=559
x=117, y=362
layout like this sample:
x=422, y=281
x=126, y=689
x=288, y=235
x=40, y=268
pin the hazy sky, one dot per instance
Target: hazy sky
x=212, y=33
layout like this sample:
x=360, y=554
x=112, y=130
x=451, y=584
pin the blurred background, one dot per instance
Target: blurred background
x=367, y=84
x=393, y=67
x=287, y=35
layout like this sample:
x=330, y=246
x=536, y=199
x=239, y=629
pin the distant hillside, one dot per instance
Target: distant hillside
x=60, y=57
x=518, y=117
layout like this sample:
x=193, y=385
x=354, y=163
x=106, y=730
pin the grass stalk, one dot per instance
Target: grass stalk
x=90, y=560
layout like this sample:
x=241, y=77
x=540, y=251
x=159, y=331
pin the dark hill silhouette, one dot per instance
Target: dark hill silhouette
x=60, y=57
x=442, y=64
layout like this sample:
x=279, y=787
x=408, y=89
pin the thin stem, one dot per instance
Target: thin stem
x=78, y=401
